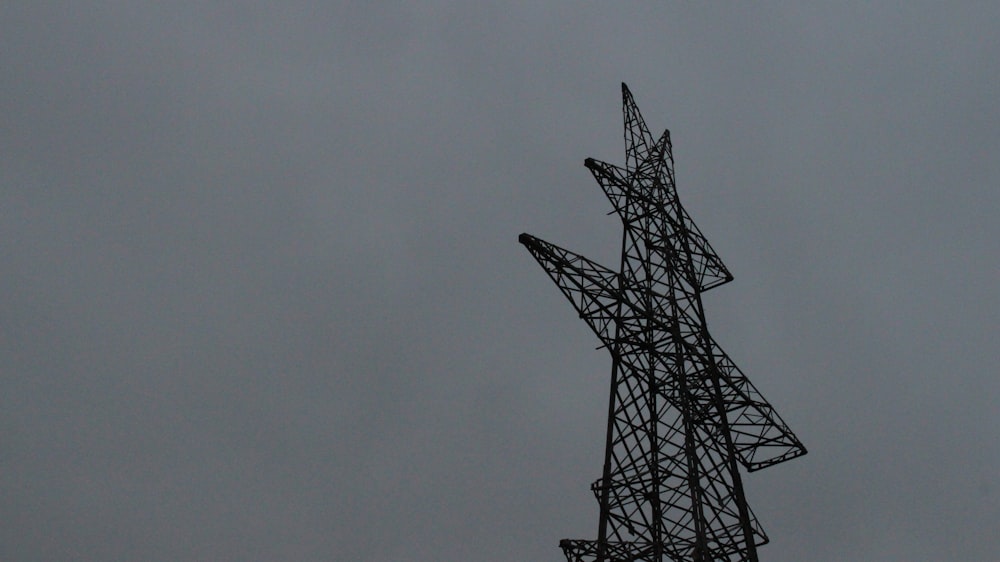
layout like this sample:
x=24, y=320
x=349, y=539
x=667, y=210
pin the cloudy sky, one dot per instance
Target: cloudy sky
x=262, y=297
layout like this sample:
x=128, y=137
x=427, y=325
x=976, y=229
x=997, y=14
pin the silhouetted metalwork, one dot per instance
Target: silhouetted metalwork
x=681, y=414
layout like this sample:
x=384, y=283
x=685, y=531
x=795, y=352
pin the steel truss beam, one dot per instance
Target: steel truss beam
x=681, y=415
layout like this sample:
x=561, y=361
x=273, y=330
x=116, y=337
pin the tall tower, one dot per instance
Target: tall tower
x=681, y=415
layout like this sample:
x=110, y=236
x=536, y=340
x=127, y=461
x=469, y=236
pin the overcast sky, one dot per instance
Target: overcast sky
x=262, y=297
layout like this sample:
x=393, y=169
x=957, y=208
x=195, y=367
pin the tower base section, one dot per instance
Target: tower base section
x=590, y=551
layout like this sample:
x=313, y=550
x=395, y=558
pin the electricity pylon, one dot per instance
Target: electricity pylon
x=681, y=414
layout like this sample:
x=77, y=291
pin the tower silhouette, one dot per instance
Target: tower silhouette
x=681, y=415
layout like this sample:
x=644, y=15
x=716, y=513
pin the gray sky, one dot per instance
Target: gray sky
x=263, y=298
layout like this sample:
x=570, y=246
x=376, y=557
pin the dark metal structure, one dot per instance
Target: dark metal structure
x=681, y=414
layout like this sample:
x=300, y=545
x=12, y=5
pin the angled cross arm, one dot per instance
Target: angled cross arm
x=632, y=203
x=634, y=193
x=707, y=266
x=760, y=436
x=614, y=182
x=589, y=286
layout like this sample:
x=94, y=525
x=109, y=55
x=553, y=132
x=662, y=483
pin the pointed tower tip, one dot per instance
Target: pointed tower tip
x=627, y=98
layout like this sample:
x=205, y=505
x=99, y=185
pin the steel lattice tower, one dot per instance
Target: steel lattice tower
x=681, y=414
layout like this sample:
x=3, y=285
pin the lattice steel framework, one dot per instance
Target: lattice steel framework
x=681, y=414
